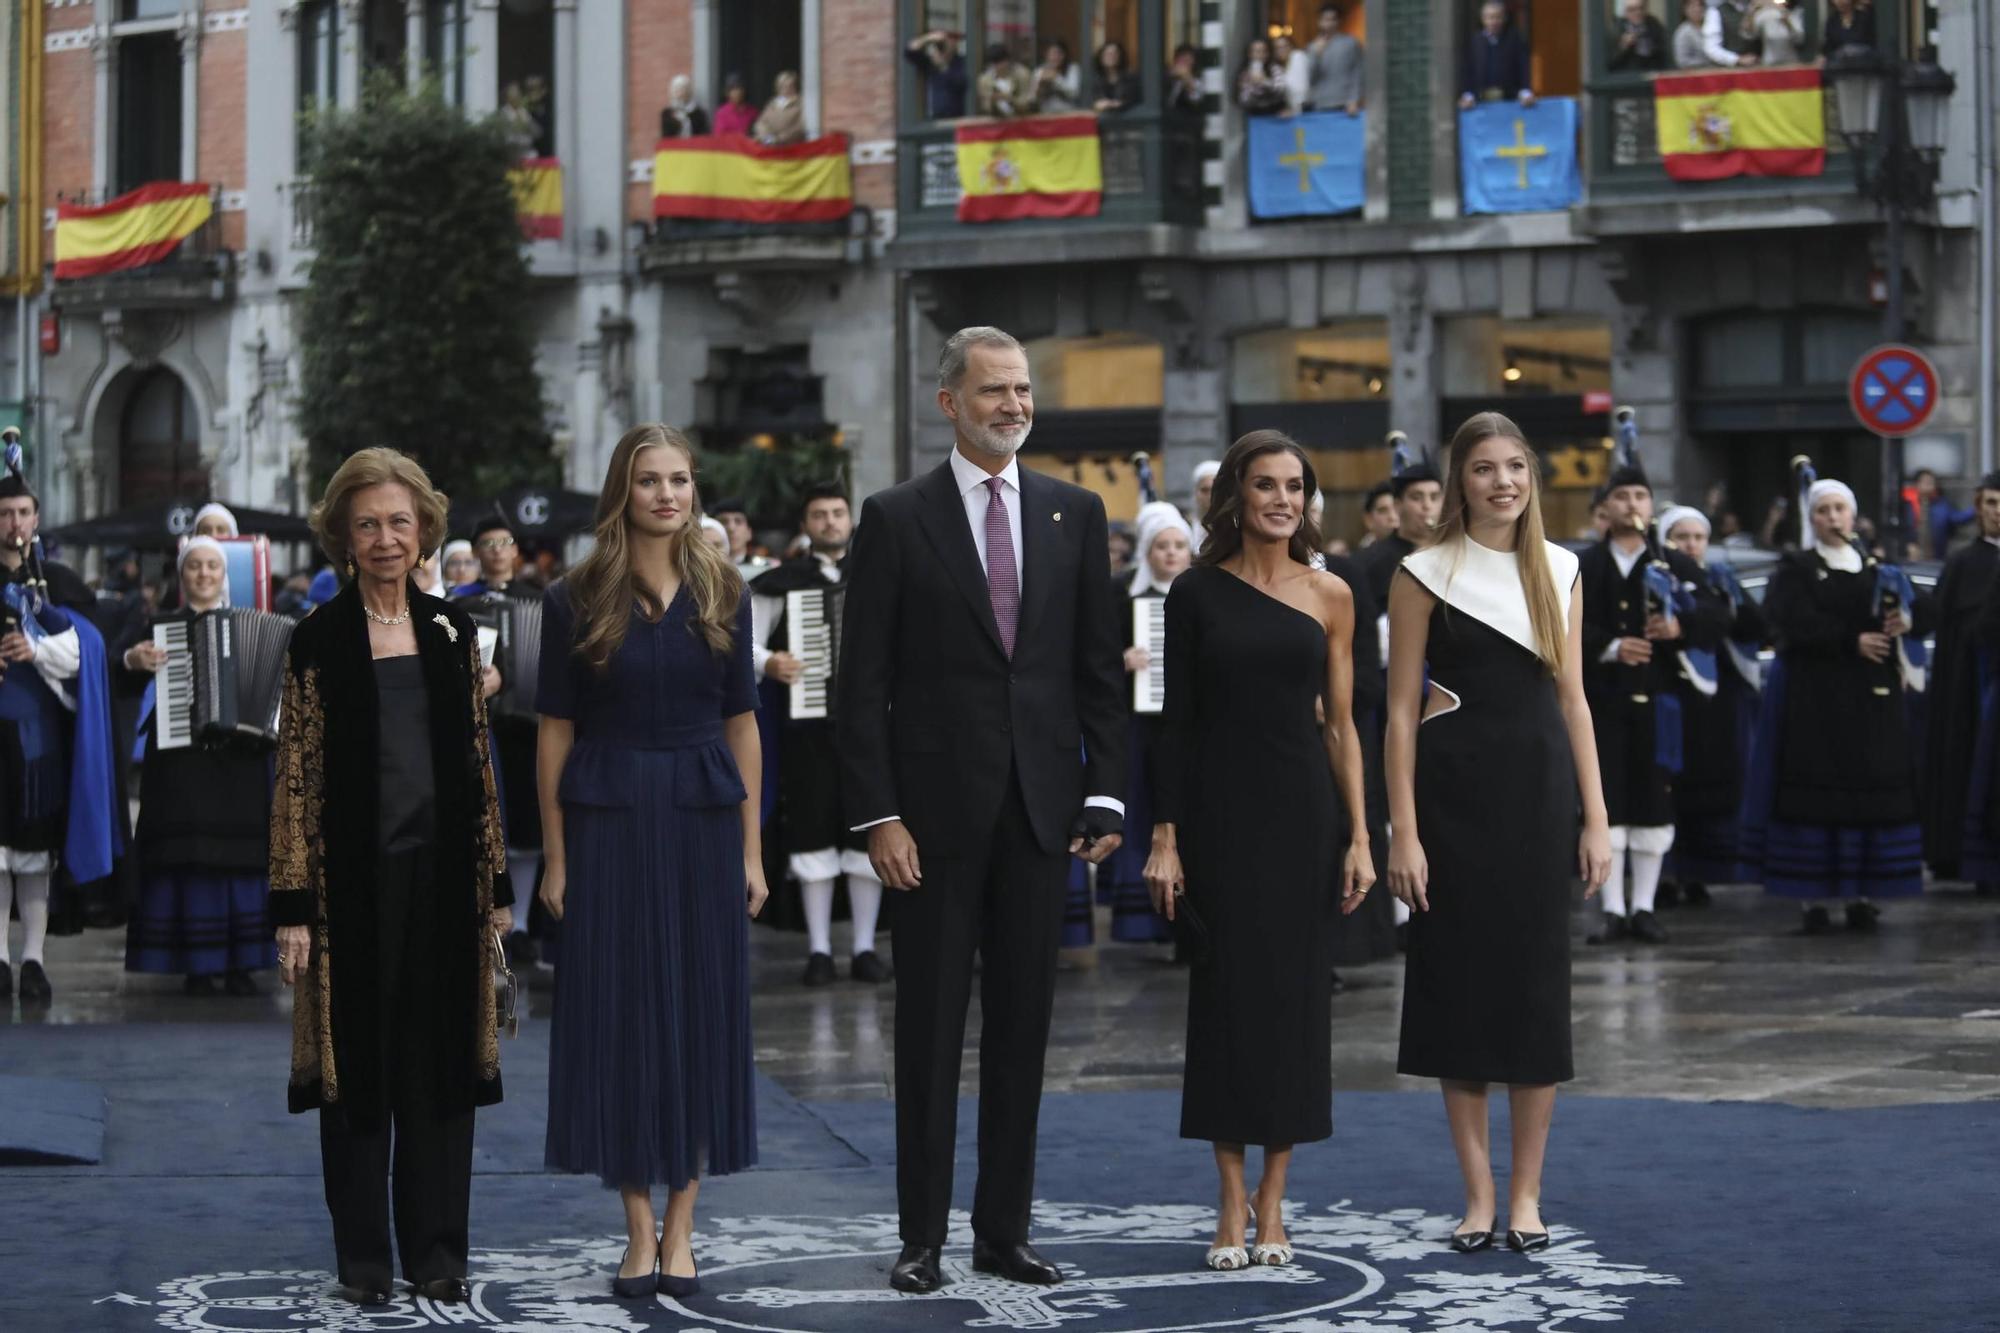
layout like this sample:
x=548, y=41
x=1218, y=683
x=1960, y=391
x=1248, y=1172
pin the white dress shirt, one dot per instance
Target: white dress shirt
x=971, y=481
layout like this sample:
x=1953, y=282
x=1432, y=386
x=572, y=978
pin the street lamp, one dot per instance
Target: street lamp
x=1892, y=115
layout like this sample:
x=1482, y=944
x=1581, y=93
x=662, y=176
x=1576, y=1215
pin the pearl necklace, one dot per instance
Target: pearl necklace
x=369, y=611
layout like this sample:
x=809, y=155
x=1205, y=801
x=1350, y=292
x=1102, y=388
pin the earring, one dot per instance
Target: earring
x=350, y=566
x=1237, y=520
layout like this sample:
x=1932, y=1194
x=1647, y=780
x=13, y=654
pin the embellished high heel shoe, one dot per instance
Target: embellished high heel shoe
x=1527, y=1242
x=1471, y=1242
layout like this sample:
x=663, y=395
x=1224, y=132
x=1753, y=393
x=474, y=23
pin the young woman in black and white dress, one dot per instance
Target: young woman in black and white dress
x=1490, y=760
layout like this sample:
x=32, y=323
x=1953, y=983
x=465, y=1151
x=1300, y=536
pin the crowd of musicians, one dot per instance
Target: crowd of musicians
x=449, y=757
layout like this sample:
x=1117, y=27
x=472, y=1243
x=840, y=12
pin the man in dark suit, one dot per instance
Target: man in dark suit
x=979, y=711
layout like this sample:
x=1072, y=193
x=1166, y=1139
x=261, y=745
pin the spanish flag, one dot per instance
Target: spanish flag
x=131, y=231
x=1037, y=167
x=1752, y=122
x=728, y=177
x=538, y=197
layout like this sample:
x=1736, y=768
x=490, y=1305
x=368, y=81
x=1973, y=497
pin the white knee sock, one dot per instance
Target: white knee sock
x=6, y=915
x=1401, y=912
x=818, y=895
x=864, y=900
x=31, y=893
x=1649, y=855
x=1614, y=887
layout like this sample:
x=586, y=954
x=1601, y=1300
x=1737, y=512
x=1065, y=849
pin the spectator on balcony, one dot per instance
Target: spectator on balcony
x=1496, y=61
x=1005, y=89
x=1294, y=71
x=1116, y=87
x=736, y=115
x=682, y=117
x=1777, y=31
x=784, y=117
x=1184, y=91
x=936, y=54
x=1850, y=24
x=1260, y=85
x=1335, y=61
x=1698, y=41
x=1642, y=42
x=518, y=106
x=1058, y=82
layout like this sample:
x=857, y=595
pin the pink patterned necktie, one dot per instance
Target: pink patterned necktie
x=1003, y=580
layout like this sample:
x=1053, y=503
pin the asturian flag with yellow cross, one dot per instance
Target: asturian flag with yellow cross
x=1518, y=159
x=1306, y=165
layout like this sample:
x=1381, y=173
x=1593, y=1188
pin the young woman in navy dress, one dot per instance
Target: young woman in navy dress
x=647, y=757
x=1490, y=761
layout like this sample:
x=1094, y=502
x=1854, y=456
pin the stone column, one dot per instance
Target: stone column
x=348, y=78
x=564, y=101
x=1194, y=415
x=482, y=57
x=1414, y=393
x=413, y=40
x=812, y=71
x=702, y=40
x=104, y=106
x=190, y=40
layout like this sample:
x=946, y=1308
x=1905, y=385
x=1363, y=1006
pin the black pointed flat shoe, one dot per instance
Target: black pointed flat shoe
x=1527, y=1242
x=1471, y=1242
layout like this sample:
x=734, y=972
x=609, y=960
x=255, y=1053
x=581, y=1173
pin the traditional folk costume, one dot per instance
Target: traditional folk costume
x=59, y=803
x=1716, y=729
x=816, y=846
x=1635, y=709
x=1205, y=470
x=1830, y=808
x=1961, y=669
x=204, y=850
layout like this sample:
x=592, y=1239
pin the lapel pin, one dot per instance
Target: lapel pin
x=1057, y=516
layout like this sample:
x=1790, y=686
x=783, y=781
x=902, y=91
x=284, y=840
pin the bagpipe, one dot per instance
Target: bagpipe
x=28, y=591
x=1895, y=595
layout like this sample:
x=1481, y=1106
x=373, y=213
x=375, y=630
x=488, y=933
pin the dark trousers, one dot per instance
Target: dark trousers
x=998, y=895
x=415, y=1151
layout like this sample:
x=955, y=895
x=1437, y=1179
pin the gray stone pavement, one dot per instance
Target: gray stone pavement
x=1736, y=1006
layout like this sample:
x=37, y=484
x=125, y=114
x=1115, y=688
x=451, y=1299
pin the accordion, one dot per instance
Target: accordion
x=812, y=629
x=224, y=675
x=517, y=649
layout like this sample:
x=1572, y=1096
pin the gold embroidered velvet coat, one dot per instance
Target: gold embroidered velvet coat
x=324, y=853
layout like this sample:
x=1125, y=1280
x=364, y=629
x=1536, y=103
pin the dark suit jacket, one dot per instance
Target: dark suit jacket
x=931, y=715
x=1501, y=64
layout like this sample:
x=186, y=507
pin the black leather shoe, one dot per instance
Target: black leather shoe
x=819, y=970
x=1668, y=896
x=916, y=1270
x=446, y=1290
x=868, y=967
x=371, y=1297
x=1616, y=928
x=1527, y=1242
x=1696, y=895
x=1017, y=1263
x=1860, y=916
x=1817, y=922
x=35, y=982
x=1471, y=1242
x=1646, y=928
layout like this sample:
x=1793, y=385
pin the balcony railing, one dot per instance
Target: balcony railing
x=1151, y=164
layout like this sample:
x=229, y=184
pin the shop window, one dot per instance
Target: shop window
x=756, y=43
x=1554, y=357
x=149, y=110
x=1114, y=370
x=527, y=61
x=1740, y=352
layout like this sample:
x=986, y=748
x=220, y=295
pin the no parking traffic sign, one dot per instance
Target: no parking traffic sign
x=1893, y=390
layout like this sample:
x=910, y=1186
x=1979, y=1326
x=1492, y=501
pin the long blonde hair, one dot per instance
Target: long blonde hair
x=603, y=587
x=1531, y=553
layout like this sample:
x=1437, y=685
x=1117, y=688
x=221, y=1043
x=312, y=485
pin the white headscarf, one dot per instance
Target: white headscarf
x=213, y=508
x=713, y=527
x=452, y=548
x=1826, y=486
x=1676, y=515
x=1206, y=469
x=194, y=544
x=1154, y=519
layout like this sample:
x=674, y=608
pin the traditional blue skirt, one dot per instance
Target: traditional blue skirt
x=202, y=924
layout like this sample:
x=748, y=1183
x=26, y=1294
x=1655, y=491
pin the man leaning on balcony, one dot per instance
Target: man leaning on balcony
x=1496, y=61
x=1698, y=41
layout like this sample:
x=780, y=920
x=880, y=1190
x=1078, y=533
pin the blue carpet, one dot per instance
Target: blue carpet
x=50, y=1121
x=206, y=1213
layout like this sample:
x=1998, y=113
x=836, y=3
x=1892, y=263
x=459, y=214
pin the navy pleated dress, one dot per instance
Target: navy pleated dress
x=650, y=1074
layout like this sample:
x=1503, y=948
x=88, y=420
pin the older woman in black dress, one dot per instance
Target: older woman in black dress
x=1490, y=755
x=388, y=877
x=1258, y=815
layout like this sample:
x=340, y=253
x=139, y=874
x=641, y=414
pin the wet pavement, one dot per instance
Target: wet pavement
x=1737, y=1006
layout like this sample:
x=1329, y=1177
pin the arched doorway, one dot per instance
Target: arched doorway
x=159, y=442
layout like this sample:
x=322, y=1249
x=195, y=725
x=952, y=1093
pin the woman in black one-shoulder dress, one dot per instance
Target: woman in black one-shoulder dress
x=1487, y=776
x=1251, y=850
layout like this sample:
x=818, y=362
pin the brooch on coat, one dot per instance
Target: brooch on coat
x=450, y=629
